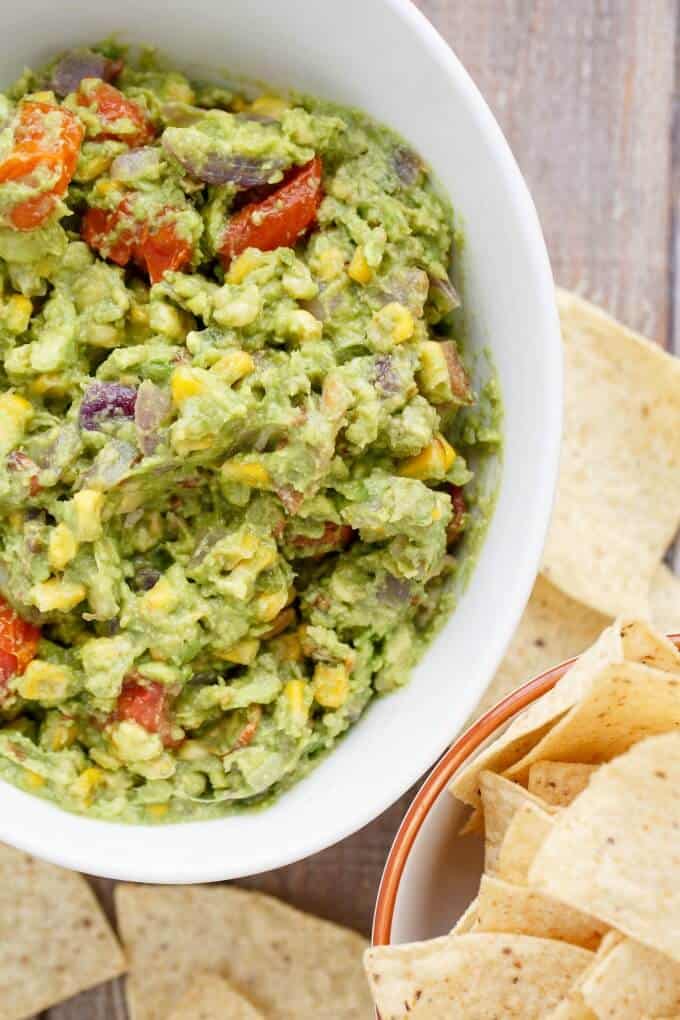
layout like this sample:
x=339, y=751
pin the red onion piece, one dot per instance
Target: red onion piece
x=152, y=406
x=104, y=401
x=78, y=64
x=218, y=168
x=130, y=165
x=448, y=297
x=407, y=164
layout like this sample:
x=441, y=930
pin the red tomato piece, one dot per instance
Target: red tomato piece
x=8, y=668
x=335, y=536
x=119, y=237
x=147, y=705
x=112, y=107
x=279, y=219
x=459, y=507
x=40, y=143
x=18, y=638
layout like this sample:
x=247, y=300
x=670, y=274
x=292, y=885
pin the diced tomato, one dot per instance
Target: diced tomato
x=121, y=238
x=459, y=507
x=147, y=705
x=18, y=639
x=46, y=137
x=8, y=669
x=279, y=219
x=113, y=109
x=335, y=536
x=247, y=734
x=18, y=461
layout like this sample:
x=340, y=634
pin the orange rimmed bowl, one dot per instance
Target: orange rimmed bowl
x=432, y=873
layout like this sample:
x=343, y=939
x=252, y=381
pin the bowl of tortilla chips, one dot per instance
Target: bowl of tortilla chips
x=535, y=873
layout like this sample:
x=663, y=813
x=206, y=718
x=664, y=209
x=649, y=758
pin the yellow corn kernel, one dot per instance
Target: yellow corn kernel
x=432, y=462
x=302, y=325
x=33, y=780
x=331, y=685
x=359, y=269
x=87, y=505
x=56, y=594
x=269, y=605
x=184, y=383
x=94, y=167
x=243, y=652
x=167, y=320
x=105, y=186
x=62, y=547
x=162, y=598
x=44, y=681
x=397, y=320
x=233, y=365
x=63, y=735
x=269, y=106
x=330, y=263
x=288, y=648
x=85, y=786
x=243, y=265
x=437, y=514
x=16, y=410
x=139, y=315
x=18, y=311
x=247, y=473
x=157, y=810
x=294, y=693
x=49, y=382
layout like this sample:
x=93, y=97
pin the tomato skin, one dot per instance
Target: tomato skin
x=34, y=148
x=147, y=705
x=278, y=220
x=8, y=668
x=18, y=639
x=111, y=105
x=459, y=508
x=157, y=251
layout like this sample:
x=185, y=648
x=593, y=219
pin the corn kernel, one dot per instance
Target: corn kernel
x=94, y=167
x=162, y=598
x=63, y=735
x=243, y=265
x=184, y=384
x=33, y=780
x=233, y=365
x=18, y=313
x=246, y=473
x=397, y=320
x=270, y=604
x=269, y=106
x=331, y=685
x=288, y=648
x=167, y=320
x=302, y=325
x=359, y=269
x=432, y=462
x=87, y=505
x=85, y=786
x=294, y=693
x=330, y=263
x=17, y=409
x=44, y=681
x=242, y=653
x=62, y=547
x=105, y=186
x=139, y=315
x=157, y=810
x=49, y=382
x=56, y=594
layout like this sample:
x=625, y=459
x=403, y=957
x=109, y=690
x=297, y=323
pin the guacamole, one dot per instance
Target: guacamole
x=240, y=442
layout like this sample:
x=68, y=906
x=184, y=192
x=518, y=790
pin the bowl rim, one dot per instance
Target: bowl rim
x=439, y=779
x=102, y=848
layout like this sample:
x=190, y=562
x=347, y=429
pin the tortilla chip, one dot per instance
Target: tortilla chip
x=647, y=645
x=572, y=1008
x=466, y=921
x=632, y=980
x=552, y=629
x=666, y=600
x=559, y=782
x=504, y=907
x=625, y=704
x=509, y=976
x=523, y=836
x=615, y=852
x=618, y=499
x=538, y=718
x=54, y=938
x=283, y=961
x=212, y=998
x=501, y=800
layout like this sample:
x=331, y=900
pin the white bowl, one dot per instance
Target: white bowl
x=383, y=56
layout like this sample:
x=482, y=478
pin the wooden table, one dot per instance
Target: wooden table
x=584, y=90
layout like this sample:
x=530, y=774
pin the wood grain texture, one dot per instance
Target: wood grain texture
x=584, y=92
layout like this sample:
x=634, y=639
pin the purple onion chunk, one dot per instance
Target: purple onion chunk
x=105, y=401
x=395, y=591
x=221, y=168
x=407, y=164
x=385, y=377
x=145, y=578
x=151, y=408
x=445, y=294
x=78, y=64
x=135, y=163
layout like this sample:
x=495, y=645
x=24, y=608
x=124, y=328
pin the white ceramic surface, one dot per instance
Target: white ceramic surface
x=384, y=56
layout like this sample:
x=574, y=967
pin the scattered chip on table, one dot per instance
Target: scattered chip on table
x=288, y=964
x=54, y=938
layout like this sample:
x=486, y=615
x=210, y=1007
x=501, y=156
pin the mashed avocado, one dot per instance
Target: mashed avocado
x=237, y=434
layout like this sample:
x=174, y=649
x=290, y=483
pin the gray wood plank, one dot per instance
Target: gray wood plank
x=583, y=91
